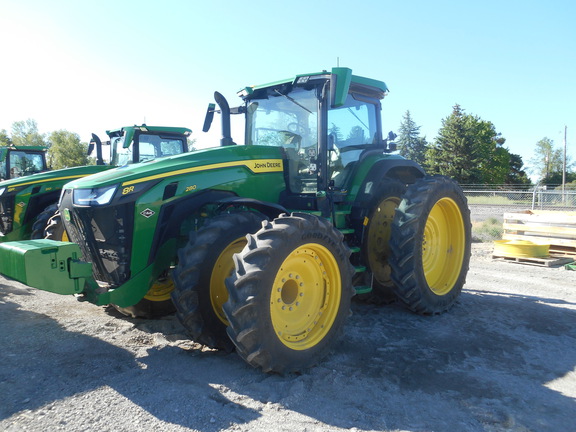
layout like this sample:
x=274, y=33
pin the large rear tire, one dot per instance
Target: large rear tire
x=430, y=245
x=376, y=240
x=203, y=266
x=290, y=294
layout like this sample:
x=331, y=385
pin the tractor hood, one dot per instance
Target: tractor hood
x=255, y=158
x=56, y=175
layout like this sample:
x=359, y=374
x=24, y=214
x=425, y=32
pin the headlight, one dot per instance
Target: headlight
x=94, y=197
x=2, y=190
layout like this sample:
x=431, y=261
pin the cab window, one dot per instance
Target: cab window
x=352, y=129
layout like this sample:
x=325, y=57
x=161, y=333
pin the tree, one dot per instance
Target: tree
x=453, y=153
x=410, y=144
x=191, y=144
x=516, y=174
x=548, y=161
x=469, y=149
x=4, y=138
x=25, y=133
x=494, y=159
x=357, y=135
x=66, y=150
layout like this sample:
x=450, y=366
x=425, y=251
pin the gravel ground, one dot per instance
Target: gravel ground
x=503, y=359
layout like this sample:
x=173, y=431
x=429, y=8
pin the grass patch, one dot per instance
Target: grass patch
x=487, y=230
x=496, y=200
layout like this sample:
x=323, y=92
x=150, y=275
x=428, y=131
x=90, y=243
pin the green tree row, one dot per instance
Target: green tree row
x=64, y=148
x=470, y=150
x=467, y=149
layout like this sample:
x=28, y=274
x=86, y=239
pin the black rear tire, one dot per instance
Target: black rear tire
x=430, y=245
x=203, y=266
x=376, y=240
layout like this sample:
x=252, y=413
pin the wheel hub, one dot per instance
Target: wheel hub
x=305, y=296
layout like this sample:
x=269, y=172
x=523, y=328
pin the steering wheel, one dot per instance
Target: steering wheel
x=295, y=138
x=296, y=128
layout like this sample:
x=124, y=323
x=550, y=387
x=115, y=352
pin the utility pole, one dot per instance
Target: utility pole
x=564, y=169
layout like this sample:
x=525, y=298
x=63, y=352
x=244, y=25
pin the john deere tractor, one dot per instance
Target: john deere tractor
x=19, y=161
x=27, y=204
x=265, y=242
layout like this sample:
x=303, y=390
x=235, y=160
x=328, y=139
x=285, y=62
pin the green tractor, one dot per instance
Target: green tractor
x=261, y=246
x=19, y=161
x=28, y=204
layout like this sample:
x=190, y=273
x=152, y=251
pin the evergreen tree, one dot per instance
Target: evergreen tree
x=516, y=174
x=454, y=154
x=410, y=144
x=469, y=150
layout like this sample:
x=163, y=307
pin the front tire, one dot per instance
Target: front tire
x=42, y=221
x=204, y=264
x=156, y=303
x=290, y=294
x=430, y=245
x=55, y=229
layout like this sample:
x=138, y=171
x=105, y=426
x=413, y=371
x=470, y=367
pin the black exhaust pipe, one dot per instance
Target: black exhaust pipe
x=225, y=111
x=98, y=144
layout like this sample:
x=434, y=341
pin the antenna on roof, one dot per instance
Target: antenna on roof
x=337, y=61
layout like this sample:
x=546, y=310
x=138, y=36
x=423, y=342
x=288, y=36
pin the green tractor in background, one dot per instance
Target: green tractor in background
x=19, y=161
x=27, y=204
x=265, y=242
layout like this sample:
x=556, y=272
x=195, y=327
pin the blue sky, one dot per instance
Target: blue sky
x=91, y=66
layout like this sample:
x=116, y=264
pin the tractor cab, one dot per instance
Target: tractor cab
x=324, y=123
x=19, y=161
x=134, y=144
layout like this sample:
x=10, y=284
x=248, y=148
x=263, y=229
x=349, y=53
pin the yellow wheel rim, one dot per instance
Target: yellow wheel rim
x=378, y=246
x=161, y=290
x=443, y=246
x=305, y=296
x=223, y=268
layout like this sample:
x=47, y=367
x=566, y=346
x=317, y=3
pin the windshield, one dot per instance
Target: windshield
x=122, y=156
x=21, y=164
x=288, y=120
x=284, y=120
x=150, y=147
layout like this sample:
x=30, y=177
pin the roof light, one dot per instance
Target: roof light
x=246, y=91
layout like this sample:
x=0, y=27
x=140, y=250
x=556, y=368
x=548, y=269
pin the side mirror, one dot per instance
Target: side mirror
x=209, y=117
x=390, y=141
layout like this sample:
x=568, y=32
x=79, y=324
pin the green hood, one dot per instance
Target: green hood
x=56, y=175
x=255, y=158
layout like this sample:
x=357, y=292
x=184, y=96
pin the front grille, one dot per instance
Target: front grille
x=6, y=214
x=104, y=235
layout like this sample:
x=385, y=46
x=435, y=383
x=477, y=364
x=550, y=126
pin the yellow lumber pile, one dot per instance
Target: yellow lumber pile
x=554, y=228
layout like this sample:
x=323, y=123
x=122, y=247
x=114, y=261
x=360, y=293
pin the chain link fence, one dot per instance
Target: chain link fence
x=488, y=203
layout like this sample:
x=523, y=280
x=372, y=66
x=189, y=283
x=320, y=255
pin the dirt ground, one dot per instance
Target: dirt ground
x=503, y=359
